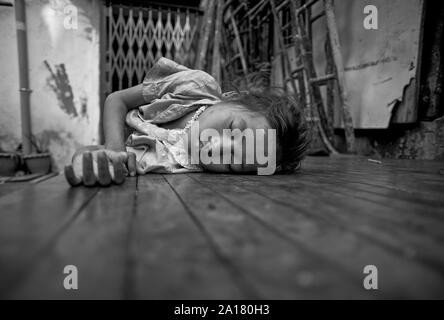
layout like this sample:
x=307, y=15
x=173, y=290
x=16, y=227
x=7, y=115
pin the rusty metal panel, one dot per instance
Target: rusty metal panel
x=380, y=64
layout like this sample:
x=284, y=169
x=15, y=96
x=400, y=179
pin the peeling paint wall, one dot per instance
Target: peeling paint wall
x=379, y=64
x=425, y=142
x=64, y=77
x=9, y=82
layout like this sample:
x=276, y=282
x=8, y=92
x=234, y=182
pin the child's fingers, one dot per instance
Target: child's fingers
x=120, y=156
x=131, y=163
x=71, y=177
x=119, y=172
x=116, y=155
x=89, y=178
x=125, y=169
x=103, y=174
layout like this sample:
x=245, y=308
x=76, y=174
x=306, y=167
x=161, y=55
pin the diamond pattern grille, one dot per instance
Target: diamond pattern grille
x=137, y=37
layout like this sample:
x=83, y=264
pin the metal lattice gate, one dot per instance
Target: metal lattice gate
x=136, y=37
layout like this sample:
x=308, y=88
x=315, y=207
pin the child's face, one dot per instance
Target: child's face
x=231, y=116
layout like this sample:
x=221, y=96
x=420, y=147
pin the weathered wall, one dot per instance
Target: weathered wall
x=422, y=141
x=9, y=82
x=380, y=63
x=432, y=68
x=425, y=141
x=64, y=77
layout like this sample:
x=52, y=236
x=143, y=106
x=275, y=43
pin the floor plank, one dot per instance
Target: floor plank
x=403, y=229
x=170, y=257
x=265, y=261
x=96, y=243
x=10, y=187
x=202, y=236
x=30, y=221
x=422, y=180
x=309, y=221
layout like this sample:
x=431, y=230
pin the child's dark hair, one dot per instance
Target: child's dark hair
x=286, y=117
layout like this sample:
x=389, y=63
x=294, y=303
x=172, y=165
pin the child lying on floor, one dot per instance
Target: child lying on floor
x=183, y=123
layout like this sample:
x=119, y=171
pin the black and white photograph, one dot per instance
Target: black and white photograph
x=231, y=151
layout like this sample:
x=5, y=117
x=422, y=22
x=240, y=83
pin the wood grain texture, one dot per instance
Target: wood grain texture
x=31, y=220
x=338, y=233
x=266, y=260
x=9, y=187
x=95, y=242
x=170, y=258
x=209, y=236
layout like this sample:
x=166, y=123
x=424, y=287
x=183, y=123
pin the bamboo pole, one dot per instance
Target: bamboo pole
x=330, y=94
x=216, y=66
x=306, y=53
x=203, y=43
x=282, y=47
x=337, y=57
x=238, y=43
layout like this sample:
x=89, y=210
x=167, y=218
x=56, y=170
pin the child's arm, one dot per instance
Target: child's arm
x=117, y=105
x=112, y=158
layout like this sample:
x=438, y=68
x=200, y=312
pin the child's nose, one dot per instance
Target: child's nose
x=218, y=146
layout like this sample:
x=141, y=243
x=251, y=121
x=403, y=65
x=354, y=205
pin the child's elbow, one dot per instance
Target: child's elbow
x=114, y=102
x=112, y=98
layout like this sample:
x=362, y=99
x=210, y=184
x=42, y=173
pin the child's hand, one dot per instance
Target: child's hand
x=91, y=166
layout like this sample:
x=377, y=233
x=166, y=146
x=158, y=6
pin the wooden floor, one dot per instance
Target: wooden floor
x=203, y=236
